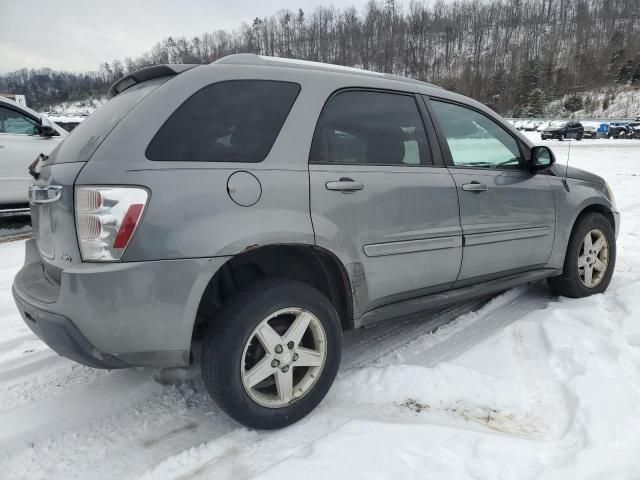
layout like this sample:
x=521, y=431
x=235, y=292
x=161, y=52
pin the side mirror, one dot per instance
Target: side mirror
x=541, y=158
x=46, y=129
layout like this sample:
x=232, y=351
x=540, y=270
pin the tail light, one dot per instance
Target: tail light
x=106, y=219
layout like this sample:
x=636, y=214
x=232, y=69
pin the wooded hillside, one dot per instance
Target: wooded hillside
x=514, y=55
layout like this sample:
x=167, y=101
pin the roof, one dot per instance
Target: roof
x=261, y=60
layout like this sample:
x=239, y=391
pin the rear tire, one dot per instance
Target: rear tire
x=251, y=357
x=594, y=255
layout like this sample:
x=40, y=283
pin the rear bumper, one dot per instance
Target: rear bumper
x=118, y=314
x=63, y=336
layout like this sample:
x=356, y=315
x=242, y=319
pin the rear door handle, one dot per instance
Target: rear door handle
x=346, y=185
x=475, y=187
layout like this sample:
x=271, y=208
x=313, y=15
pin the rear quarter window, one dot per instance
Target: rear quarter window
x=231, y=121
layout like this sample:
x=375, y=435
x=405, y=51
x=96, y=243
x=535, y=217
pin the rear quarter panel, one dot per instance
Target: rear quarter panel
x=190, y=213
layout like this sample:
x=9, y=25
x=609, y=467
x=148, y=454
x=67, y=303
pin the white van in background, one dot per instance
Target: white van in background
x=24, y=134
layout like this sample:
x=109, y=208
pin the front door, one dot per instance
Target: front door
x=507, y=213
x=19, y=146
x=379, y=203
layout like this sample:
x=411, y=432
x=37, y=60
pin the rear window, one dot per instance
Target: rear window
x=232, y=121
x=85, y=139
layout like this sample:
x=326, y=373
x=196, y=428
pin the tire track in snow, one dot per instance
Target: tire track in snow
x=215, y=460
x=133, y=418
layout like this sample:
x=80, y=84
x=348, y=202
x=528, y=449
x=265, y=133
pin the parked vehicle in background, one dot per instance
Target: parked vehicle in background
x=530, y=126
x=563, y=130
x=635, y=126
x=590, y=129
x=265, y=205
x=24, y=134
x=620, y=130
x=603, y=130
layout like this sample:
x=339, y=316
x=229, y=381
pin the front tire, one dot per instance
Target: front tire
x=272, y=353
x=590, y=259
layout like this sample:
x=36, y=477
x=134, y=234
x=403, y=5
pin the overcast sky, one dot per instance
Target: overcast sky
x=79, y=34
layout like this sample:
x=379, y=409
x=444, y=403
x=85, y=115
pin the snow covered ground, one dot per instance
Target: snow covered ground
x=526, y=385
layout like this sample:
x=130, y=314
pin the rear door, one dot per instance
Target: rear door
x=379, y=202
x=507, y=214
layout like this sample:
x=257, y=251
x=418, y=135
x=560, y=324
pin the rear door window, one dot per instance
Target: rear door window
x=370, y=127
x=231, y=121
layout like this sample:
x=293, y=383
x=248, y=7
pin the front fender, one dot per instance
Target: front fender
x=582, y=195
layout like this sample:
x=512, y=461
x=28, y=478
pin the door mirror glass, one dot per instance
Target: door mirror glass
x=45, y=129
x=541, y=157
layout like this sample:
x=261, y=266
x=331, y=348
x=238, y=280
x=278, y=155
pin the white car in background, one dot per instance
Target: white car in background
x=24, y=134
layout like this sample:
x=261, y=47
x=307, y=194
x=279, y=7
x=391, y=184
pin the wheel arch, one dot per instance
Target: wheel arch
x=595, y=208
x=592, y=206
x=309, y=264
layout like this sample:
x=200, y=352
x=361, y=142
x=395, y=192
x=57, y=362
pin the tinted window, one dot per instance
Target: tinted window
x=370, y=128
x=474, y=139
x=12, y=121
x=235, y=121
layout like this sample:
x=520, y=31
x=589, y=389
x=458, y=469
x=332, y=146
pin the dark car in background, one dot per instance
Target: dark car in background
x=561, y=130
x=621, y=130
x=636, y=129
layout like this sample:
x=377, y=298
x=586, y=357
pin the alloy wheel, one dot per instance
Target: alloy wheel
x=593, y=258
x=284, y=357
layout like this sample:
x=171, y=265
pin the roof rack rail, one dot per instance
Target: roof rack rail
x=253, y=59
x=145, y=74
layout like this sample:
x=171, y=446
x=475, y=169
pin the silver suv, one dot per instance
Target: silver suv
x=263, y=206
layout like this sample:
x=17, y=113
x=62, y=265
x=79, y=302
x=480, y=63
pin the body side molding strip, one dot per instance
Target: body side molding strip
x=410, y=246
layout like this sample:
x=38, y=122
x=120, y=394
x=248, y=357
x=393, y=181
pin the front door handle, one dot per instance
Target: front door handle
x=346, y=185
x=475, y=187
